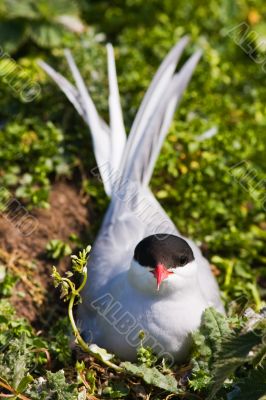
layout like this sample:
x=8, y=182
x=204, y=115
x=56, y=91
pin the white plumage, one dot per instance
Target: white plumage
x=121, y=297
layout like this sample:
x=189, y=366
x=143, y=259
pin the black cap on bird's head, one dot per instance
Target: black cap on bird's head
x=163, y=252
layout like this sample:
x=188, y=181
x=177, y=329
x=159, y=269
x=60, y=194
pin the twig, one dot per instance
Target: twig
x=13, y=391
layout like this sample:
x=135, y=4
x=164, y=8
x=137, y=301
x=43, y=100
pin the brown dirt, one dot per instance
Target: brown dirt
x=35, y=298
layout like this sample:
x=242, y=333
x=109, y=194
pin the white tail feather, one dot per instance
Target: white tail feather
x=150, y=101
x=176, y=90
x=136, y=156
x=100, y=136
x=66, y=87
x=118, y=133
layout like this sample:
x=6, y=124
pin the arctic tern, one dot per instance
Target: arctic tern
x=143, y=275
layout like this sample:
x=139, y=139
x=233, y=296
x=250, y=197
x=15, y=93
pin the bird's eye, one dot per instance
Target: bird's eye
x=183, y=260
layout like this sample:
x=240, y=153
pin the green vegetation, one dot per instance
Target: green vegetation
x=213, y=189
x=57, y=249
x=31, y=151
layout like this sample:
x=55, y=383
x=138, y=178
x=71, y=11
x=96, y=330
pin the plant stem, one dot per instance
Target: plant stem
x=13, y=391
x=255, y=294
x=78, y=337
x=84, y=280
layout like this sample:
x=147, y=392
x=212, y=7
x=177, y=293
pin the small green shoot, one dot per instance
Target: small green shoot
x=57, y=249
x=70, y=293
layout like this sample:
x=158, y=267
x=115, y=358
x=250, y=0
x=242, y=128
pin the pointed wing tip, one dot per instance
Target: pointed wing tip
x=193, y=59
x=109, y=46
x=198, y=53
x=68, y=54
x=110, y=53
x=181, y=43
x=46, y=67
x=185, y=38
x=40, y=63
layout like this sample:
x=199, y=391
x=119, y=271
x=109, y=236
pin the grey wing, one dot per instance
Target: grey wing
x=209, y=286
x=207, y=282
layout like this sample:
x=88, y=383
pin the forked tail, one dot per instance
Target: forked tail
x=121, y=159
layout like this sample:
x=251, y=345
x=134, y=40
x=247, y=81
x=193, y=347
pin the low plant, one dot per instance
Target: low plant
x=57, y=249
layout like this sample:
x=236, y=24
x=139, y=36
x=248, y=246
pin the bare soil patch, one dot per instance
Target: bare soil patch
x=35, y=297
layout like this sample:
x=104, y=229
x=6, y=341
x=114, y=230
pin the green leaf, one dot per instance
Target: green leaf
x=214, y=327
x=254, y=386
x=56, y=276
x=146, y=356
x=53, y=387
x=57, y=249
x=20, y=9
x=116, y=390
x=153, y=376
x=13, y=34
x=46, y=34
x=23, y=384
x=235, y=351
x=105, y=356
x=50, y=9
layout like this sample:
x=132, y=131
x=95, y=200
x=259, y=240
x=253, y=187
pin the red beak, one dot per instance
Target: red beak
x=160, y=273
